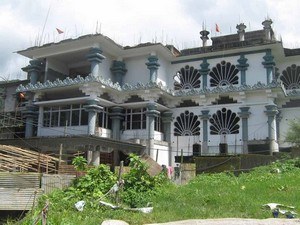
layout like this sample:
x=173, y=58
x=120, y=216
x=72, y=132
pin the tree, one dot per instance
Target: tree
x=293, y=134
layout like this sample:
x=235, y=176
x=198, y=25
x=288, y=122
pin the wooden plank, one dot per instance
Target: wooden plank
x=154, y=167
x=13, y=158
x=19, y=199
x=66, y=169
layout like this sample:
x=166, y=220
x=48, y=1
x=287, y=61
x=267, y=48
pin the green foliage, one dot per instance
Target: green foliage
x=217, y=195
x=139, y=186
x=293, y=134
x=79, y=163
x=94, y=184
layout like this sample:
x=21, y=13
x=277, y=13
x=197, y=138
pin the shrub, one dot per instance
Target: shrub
x=139, y=186
x=94, y=184
x=79, y=163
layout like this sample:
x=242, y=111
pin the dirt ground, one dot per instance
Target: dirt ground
x=234, y=221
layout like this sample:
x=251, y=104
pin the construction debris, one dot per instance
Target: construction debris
x=14, y=159
x=79, y=205
x=285, y=210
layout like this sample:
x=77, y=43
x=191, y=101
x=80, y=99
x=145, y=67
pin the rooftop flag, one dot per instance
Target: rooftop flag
x=59, y=31
x=217, y=28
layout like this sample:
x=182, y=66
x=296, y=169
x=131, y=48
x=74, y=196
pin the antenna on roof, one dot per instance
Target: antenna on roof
x=98, y=28
x=45, y=23
x=75, y=30
x=96, y=31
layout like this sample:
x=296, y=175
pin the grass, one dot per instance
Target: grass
x=207, y=196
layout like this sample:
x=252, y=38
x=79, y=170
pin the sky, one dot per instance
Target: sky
x=26, y=23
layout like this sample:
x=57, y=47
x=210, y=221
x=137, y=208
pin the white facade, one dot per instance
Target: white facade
x=231, y=98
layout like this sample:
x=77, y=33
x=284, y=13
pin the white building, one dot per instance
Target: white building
x=233, y=97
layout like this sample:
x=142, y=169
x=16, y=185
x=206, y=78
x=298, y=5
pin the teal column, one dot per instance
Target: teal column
x=30, y=114
x=244, y=114
x=151, y=113
x=271, y=111
x=33, y=70
x=153, y=66
x=269, y=64
x=118, y=69
x=278, y=120
x=92, y=108
x=204, y=72
x=95, y=57
x=117, y=116
x=242, y=66
x=167, y=120
x=205, y=117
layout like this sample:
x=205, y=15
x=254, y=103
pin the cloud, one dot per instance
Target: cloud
x=178, y=22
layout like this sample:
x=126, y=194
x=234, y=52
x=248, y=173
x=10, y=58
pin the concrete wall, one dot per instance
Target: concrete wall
x=62, y=131
x=137, y=70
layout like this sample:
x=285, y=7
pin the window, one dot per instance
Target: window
x=187, y=124
x=75, y=117
x=103, y=119
x=84, y=116
x=224, y=122
x=64, y=118
x=47, y=116
x=187, y=78
x=65, y=115
x=223, y=74
x=157, y=123
x=135, y=119
x=54, y=116
x=291, y=77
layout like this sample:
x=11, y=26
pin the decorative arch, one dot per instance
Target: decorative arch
x=223, y=74
x=187, y=78
x=291, y=77
x=187, y=124
x=224, y=121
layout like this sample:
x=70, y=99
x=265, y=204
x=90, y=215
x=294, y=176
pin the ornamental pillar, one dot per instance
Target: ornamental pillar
x=205, y=117
x=33, y=70
x=118, y=69
x=204, y=37
x=272, y=136
x=151, y=113
x=117, y=116
x=268, y=29
x=244, y=114
x=153, y=65
x=92, y=108
x=95, y=57
x=242, y=66
x=278, y=120
x=269, y=64
x=167, y=120
x=204, y=72
x=30, y=114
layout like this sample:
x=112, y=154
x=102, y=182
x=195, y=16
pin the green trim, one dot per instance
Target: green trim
x=221, y=56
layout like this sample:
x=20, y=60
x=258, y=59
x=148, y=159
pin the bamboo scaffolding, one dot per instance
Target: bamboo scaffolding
x=14, y=158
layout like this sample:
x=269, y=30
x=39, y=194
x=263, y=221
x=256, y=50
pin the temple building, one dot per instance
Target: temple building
x=235, y=96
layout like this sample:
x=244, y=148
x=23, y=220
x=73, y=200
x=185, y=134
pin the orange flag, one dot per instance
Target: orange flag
x=59, y=31
x=217, y=28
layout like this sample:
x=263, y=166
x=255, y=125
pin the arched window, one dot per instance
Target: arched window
x=187, y=78
x=224, y=121
x=187, y=124
x=223, y=73
x=291, y=77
